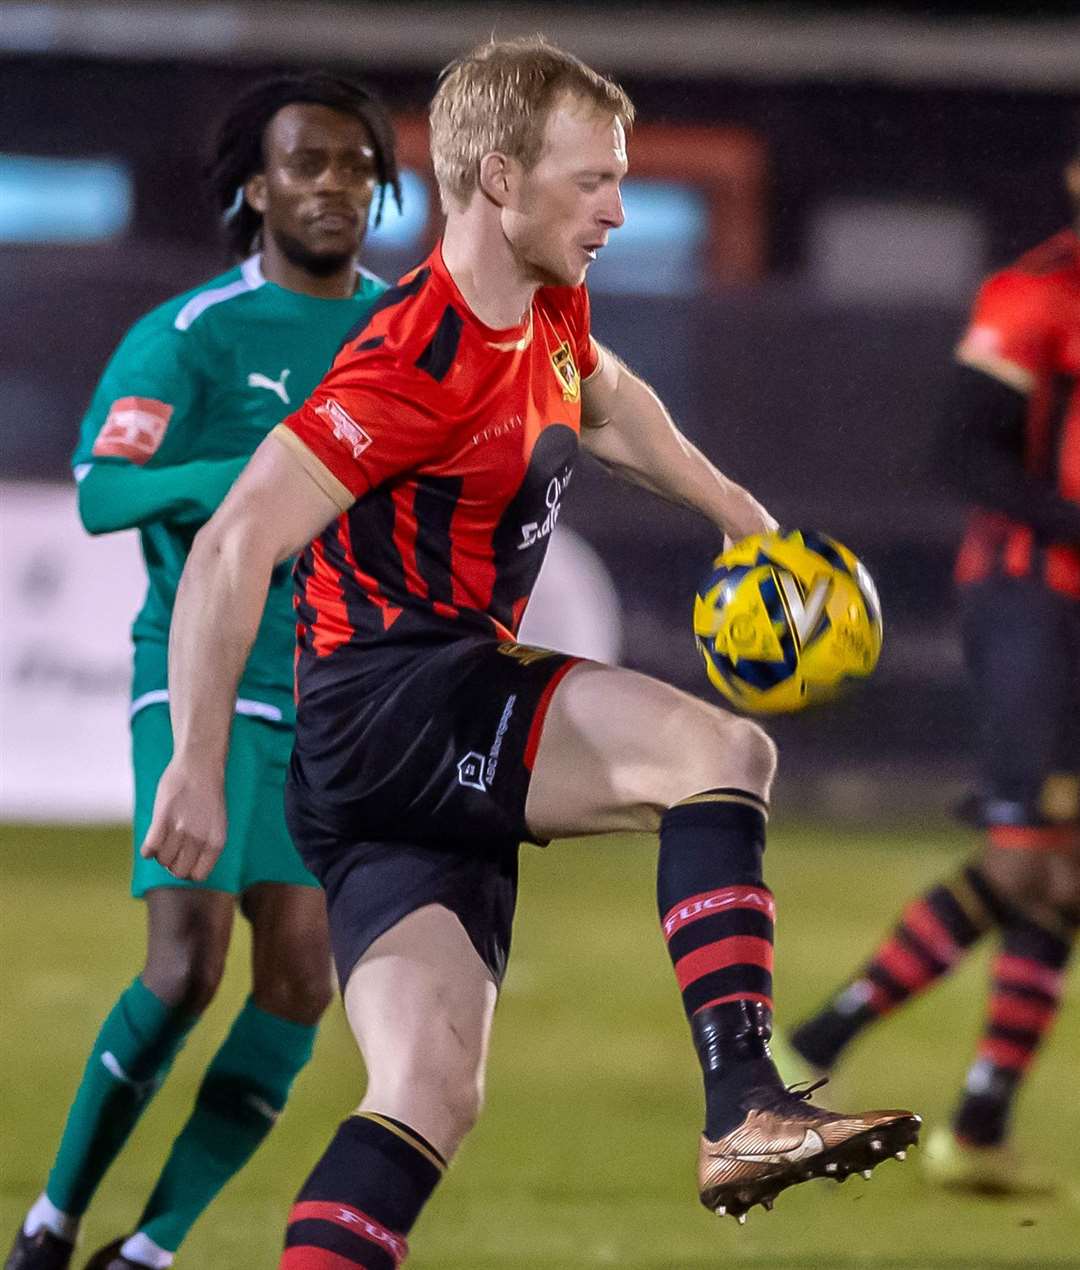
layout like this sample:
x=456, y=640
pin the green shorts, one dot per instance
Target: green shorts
x=258, y=848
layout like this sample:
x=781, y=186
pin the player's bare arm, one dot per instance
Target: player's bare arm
x=627, y=428
x=273, y=510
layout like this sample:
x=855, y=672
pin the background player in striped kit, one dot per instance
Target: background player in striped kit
x=191, y=391
x=1012, y=446
x=426, y=472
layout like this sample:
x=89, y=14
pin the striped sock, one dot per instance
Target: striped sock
x=717, y=918
x=934, y=933
x=362, y=1198
x=1027, y=978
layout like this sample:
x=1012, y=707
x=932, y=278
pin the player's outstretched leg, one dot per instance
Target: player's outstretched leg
x=1027, y=980
x=717, y=916
x=620, y=751
x=188, y=936
x=420, y=1003
x=933, y=934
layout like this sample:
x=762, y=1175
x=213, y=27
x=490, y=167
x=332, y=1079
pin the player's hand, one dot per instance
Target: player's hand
x=746, y=519
x=187, y=832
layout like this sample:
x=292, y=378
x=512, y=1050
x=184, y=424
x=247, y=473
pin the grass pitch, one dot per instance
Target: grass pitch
x=585, y=1155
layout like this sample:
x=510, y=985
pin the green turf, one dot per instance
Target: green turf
x=585, y=1154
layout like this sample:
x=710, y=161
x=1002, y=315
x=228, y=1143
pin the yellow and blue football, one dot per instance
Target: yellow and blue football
x=783, y=620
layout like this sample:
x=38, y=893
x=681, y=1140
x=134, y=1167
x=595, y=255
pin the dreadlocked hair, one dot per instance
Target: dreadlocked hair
x=238, y=147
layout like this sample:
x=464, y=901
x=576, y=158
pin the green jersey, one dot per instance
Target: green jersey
x=193, y=388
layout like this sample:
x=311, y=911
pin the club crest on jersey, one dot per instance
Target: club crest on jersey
x=346, y=429
x=566, y=372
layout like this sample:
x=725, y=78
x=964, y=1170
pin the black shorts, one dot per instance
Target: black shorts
x=413, y=792
x=371, y=886
x=1022, y=647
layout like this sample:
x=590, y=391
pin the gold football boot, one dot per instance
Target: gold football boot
x=785, y=1141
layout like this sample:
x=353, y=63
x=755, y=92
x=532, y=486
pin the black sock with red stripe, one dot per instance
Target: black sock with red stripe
x=362, y=1198
x=717, y=916
x=1027, y=978
x=934, y=933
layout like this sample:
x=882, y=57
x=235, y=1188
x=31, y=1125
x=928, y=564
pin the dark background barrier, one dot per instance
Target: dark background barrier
x=817, y=382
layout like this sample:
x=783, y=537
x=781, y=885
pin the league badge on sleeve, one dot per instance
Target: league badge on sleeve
x=346, y=429
x=133, y=429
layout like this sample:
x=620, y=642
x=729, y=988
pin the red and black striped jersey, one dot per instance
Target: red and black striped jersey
x=1025, y=331
x=448, y=446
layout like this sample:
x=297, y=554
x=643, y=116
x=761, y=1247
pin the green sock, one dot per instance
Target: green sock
x=244, y=1089
x=131, y=1056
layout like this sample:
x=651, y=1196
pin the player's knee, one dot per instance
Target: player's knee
x=1018, y=877
x=1038, y=884
x=449, y=1077
x=463, y=1100
x=186, y=976
x=300, y=992
x=702, y=749
x=757, y=754
x=733, y=753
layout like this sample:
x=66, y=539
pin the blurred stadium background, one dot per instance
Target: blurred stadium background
x=814, y=194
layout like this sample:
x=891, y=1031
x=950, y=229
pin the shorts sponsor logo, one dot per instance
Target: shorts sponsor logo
x=346, y=429
x=535, y=531
x=133, y=429
x=496, y=745
x=476, y=771
x=470, y=771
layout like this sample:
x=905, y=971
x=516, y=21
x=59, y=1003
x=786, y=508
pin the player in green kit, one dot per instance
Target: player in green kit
x=192, y=390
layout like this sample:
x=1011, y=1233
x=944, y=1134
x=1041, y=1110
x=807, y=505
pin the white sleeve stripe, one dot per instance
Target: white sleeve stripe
x=244, y=705
x=250, y=280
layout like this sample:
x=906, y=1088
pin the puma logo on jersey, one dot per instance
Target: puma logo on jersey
x=276, y=386
x=812, y=1144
